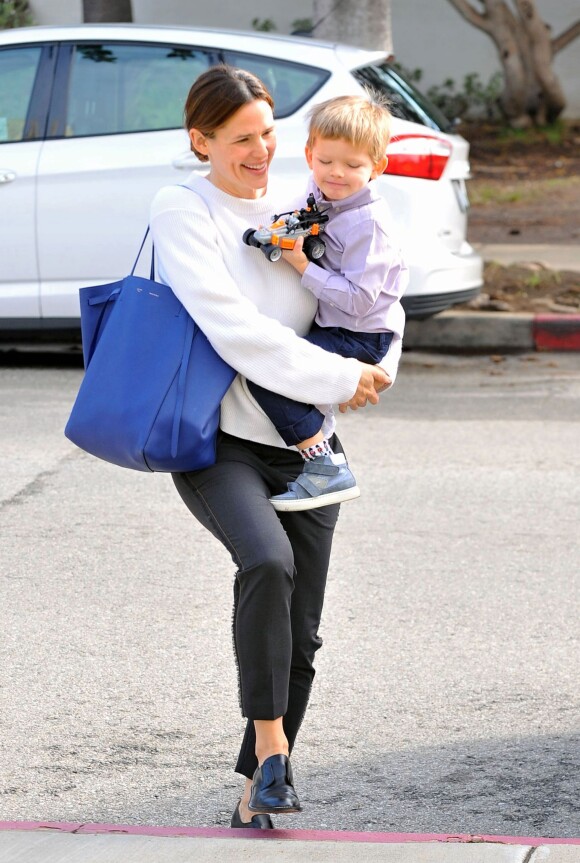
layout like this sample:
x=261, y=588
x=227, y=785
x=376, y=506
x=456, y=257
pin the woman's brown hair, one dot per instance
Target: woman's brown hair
x=216, y=96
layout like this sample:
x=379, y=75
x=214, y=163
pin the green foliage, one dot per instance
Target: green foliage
x=483, y=193
x=15, y=13
x=412, y=75
x=302, y=25
x=474, y=101
x=267, y=25
x=488, y=193
x=263, y=25
x=555, y=134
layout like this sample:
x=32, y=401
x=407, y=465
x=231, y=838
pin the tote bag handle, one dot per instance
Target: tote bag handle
x=110, y=296
x=113, y=294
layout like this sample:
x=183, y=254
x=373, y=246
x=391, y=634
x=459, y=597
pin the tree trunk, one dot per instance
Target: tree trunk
x=551, y=100
x=107, y=11
x=532, y=91
x=513, y=57
x=366, y=23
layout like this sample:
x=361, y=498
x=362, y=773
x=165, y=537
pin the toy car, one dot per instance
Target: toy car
x=307, y=222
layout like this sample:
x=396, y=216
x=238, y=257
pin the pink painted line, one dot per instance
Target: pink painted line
x=302, y=835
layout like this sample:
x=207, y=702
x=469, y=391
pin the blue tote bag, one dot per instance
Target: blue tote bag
x=152, y=388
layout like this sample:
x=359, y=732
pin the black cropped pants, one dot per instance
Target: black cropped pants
x=282, y=562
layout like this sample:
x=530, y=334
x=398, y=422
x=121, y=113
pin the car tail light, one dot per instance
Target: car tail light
x=421, y=156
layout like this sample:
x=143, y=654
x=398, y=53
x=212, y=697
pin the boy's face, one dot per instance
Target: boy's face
x=339, y=169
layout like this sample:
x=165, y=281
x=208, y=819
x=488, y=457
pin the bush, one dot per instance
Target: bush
x=15, y=13
x=263, y=25
x=475, y=101
x=300, y=27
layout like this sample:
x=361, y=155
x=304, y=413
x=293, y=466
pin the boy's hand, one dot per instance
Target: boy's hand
x=296, y=257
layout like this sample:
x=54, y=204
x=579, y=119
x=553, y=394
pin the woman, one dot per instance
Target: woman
x=254, y=313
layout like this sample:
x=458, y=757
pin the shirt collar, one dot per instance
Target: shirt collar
x=365, y=195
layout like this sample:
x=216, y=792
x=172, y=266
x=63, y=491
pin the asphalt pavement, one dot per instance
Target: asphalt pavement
x=62, y=842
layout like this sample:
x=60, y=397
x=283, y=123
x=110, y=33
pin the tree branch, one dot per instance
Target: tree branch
x=471, y=15
x=567, y=36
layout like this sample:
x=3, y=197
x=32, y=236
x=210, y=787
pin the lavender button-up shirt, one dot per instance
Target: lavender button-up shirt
x=361, y=277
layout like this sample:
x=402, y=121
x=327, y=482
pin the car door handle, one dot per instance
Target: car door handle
x=188, y=161
x=7, y=176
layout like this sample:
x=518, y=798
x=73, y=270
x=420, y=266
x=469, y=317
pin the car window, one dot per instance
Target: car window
x=290, y=84
x=117, y=88
x=18, y=68
x=405, y=100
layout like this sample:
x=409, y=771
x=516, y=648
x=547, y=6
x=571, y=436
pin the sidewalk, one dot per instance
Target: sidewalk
x=552, y=256
x=92, y=843
x=504, y=331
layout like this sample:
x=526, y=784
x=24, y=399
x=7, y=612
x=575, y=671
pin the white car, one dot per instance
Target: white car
x=91, y=126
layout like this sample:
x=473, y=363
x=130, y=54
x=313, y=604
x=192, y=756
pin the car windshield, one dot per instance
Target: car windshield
x=405, y=100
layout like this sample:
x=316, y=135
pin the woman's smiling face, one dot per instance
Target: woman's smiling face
x=240, y=151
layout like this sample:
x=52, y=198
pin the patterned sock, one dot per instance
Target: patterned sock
x=316, y=450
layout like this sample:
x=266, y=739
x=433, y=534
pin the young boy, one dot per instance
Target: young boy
x=358, y=282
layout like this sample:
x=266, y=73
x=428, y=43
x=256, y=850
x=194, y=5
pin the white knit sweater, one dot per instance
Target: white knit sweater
x=252, y=311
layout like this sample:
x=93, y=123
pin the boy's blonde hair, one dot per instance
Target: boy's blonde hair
x=363, y=121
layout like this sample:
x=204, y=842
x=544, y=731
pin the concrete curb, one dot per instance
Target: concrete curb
x=79, y=827
x=38, y=842
x=494, y=331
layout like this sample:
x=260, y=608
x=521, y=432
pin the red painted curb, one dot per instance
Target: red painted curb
x=301, y=835
x=556, y=332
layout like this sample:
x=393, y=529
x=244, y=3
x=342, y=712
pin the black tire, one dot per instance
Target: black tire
x=314, y=248
x=248, y=238
x=272, y=252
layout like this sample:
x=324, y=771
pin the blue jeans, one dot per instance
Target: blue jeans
x=296, y=421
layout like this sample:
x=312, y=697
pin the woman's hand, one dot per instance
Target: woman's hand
x=296, y=257
x=373, y=380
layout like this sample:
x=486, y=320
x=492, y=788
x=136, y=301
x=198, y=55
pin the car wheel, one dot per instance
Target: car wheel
x=272, y=252
x=314, y=248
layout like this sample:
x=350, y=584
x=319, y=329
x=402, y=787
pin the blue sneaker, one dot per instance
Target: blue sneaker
x=326, y=479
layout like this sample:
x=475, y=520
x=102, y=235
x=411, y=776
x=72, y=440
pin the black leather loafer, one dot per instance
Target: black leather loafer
x=258, y=822
x=272, y=787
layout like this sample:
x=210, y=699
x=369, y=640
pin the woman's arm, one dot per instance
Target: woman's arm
x=187, y=247
x=390, y=362
x=388, y=365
